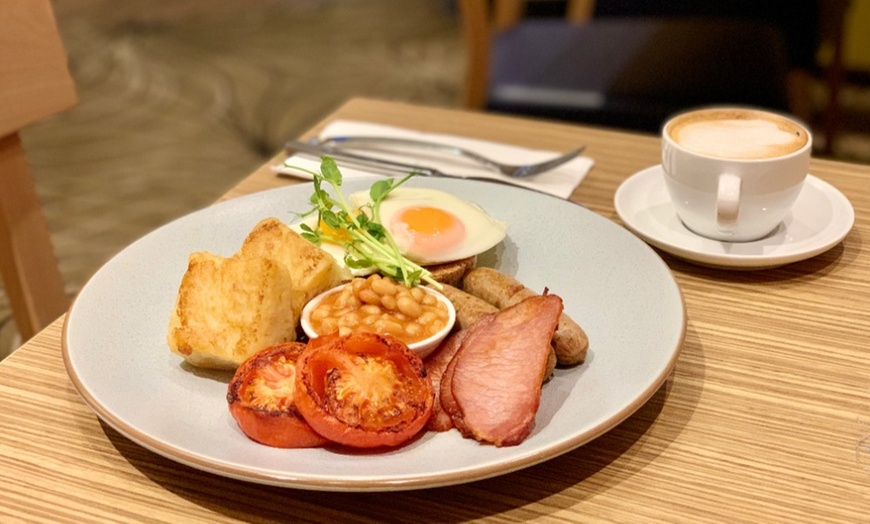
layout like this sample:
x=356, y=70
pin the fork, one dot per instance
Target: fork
x=514, y=171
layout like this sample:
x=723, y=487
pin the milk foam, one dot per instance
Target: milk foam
x=737, y=138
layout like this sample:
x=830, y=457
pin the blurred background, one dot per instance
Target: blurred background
x=180, y=99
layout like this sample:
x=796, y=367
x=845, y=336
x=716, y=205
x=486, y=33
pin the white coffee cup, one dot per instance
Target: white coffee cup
x=734, y=173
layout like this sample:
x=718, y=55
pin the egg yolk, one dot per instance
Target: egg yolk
x=427, y=230
x=339, y=234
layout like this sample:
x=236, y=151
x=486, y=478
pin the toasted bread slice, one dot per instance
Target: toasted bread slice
x=227, y=309
x=312, y=269
x=451, y=273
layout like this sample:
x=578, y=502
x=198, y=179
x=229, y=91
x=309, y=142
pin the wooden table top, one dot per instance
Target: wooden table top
x=766, y=416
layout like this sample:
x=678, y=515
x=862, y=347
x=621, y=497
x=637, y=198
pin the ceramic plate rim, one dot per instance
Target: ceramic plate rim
x=834, y=233
x=76, y=354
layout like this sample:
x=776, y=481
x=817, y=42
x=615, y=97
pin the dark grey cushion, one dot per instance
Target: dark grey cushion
x=634, y=73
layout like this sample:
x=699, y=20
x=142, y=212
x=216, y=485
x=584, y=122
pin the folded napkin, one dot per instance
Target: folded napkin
x=559, y=182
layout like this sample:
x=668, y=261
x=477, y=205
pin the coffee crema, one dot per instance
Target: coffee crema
x=740, y=134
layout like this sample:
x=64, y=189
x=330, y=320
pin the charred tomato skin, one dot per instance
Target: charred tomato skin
x=263, y=412
x=363, y=390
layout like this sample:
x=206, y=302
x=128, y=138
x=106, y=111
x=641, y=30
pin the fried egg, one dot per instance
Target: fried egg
x=433, y=227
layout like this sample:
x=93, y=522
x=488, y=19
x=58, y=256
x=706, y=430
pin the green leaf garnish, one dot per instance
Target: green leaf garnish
x=366, y=242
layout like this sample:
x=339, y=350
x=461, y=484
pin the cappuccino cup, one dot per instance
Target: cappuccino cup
x=733, y=174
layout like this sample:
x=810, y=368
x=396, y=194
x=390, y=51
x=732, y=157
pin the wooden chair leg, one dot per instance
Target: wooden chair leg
x=31, y=277
x=580, y=10
x=476, y=26
x=506, y=13
x=834, y=76
x=800, y=94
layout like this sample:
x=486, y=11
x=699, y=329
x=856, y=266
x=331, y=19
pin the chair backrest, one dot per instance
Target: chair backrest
x=480, y=19
x=34, y=83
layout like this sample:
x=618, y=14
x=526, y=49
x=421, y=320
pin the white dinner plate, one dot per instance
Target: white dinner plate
x=613, y=284
x=819, y=220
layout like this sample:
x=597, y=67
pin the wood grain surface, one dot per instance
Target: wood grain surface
x=766, y=417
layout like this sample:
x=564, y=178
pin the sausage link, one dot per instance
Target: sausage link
x=500, y=290
x=469, y=308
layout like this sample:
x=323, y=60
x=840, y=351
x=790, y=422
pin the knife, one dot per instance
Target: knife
x=297, y=146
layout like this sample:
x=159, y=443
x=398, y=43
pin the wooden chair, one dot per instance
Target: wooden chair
x=629, y=72
x=481, y=21
x=34, y=84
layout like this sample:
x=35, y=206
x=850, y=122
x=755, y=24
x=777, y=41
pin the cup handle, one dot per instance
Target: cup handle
x=728, y=201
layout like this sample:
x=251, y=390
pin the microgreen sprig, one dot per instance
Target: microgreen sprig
x=367, y=243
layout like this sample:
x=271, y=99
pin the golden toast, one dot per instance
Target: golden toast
x=451, y=273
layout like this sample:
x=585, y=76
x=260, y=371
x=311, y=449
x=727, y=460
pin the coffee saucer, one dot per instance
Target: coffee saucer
x=820, y=218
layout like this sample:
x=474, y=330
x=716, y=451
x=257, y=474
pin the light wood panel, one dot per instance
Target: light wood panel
x=34, y=84
x=766, y=417
x=34, y=80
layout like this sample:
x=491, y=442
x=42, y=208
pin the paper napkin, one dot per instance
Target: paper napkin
x=559, y=182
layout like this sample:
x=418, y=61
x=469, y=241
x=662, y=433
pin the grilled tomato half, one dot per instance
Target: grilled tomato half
x=363, y=390
x=260, y=397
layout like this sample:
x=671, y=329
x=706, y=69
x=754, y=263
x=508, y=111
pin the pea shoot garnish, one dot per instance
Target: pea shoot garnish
x=366, y=242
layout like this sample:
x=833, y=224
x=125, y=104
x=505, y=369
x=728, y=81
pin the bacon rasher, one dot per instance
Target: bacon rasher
x=436, y=365
x=492, y=387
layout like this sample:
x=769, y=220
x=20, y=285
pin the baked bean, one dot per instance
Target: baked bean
x=381, y=305
x=341, y=299
x=389, y=302
x=370, y=309
x=329, y=325
x=427, y=318
x=369, y=297
x=408, y=306
x=347, y=299
x=319, y=314
x=383, y=287
x=338, y=313
x=413, y=329
x=391, y=327
x=349, y=320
